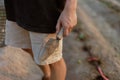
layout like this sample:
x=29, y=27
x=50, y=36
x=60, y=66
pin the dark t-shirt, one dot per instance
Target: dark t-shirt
x=35, y=15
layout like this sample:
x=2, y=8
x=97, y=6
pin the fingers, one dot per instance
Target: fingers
x=70, y=29
x=67, y=31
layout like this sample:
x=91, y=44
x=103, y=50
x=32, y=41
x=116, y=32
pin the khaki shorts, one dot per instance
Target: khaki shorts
x=21, y=38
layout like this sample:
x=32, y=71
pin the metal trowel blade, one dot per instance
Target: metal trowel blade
x=49, y=48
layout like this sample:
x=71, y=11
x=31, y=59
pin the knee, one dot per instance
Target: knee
x=58, y=64
x=28, y=51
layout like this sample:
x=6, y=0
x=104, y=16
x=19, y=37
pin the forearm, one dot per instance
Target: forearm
x=71, y=5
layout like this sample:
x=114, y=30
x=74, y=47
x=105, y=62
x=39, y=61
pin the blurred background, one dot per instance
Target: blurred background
x=93, y=43
x=2, y=22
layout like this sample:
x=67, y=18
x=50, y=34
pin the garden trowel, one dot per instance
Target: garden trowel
x=50, y=47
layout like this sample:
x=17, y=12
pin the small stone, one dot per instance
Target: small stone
x=79, y=61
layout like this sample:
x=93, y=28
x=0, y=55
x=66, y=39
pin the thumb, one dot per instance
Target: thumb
x=58, y=27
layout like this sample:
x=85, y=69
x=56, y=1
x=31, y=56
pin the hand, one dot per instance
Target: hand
x=67, y=20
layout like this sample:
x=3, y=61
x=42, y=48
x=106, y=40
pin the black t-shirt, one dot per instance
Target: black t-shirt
x=35, y=15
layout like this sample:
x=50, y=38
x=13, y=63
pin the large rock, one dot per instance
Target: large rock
x=16, y=64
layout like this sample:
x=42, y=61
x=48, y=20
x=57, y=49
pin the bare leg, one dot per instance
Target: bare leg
x=29, y=51
x=55, y=71
x=45, y=68
x=58, y=70
x=46, y=71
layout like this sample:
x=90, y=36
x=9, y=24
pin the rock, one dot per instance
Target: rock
x=16, y=64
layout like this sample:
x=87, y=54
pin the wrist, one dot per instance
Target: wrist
x=71, y=5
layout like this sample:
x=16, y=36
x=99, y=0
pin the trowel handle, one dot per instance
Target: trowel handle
x=60, y=34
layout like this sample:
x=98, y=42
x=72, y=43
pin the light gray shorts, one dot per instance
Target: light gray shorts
x=18, y=37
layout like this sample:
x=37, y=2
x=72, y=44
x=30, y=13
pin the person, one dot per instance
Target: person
x=30, y=23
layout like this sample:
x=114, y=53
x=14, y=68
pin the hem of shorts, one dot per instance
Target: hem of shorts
x=47, y=63
x=17, y=46
x=39, y=29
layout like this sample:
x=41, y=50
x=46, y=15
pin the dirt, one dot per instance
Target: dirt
x=105, y=19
